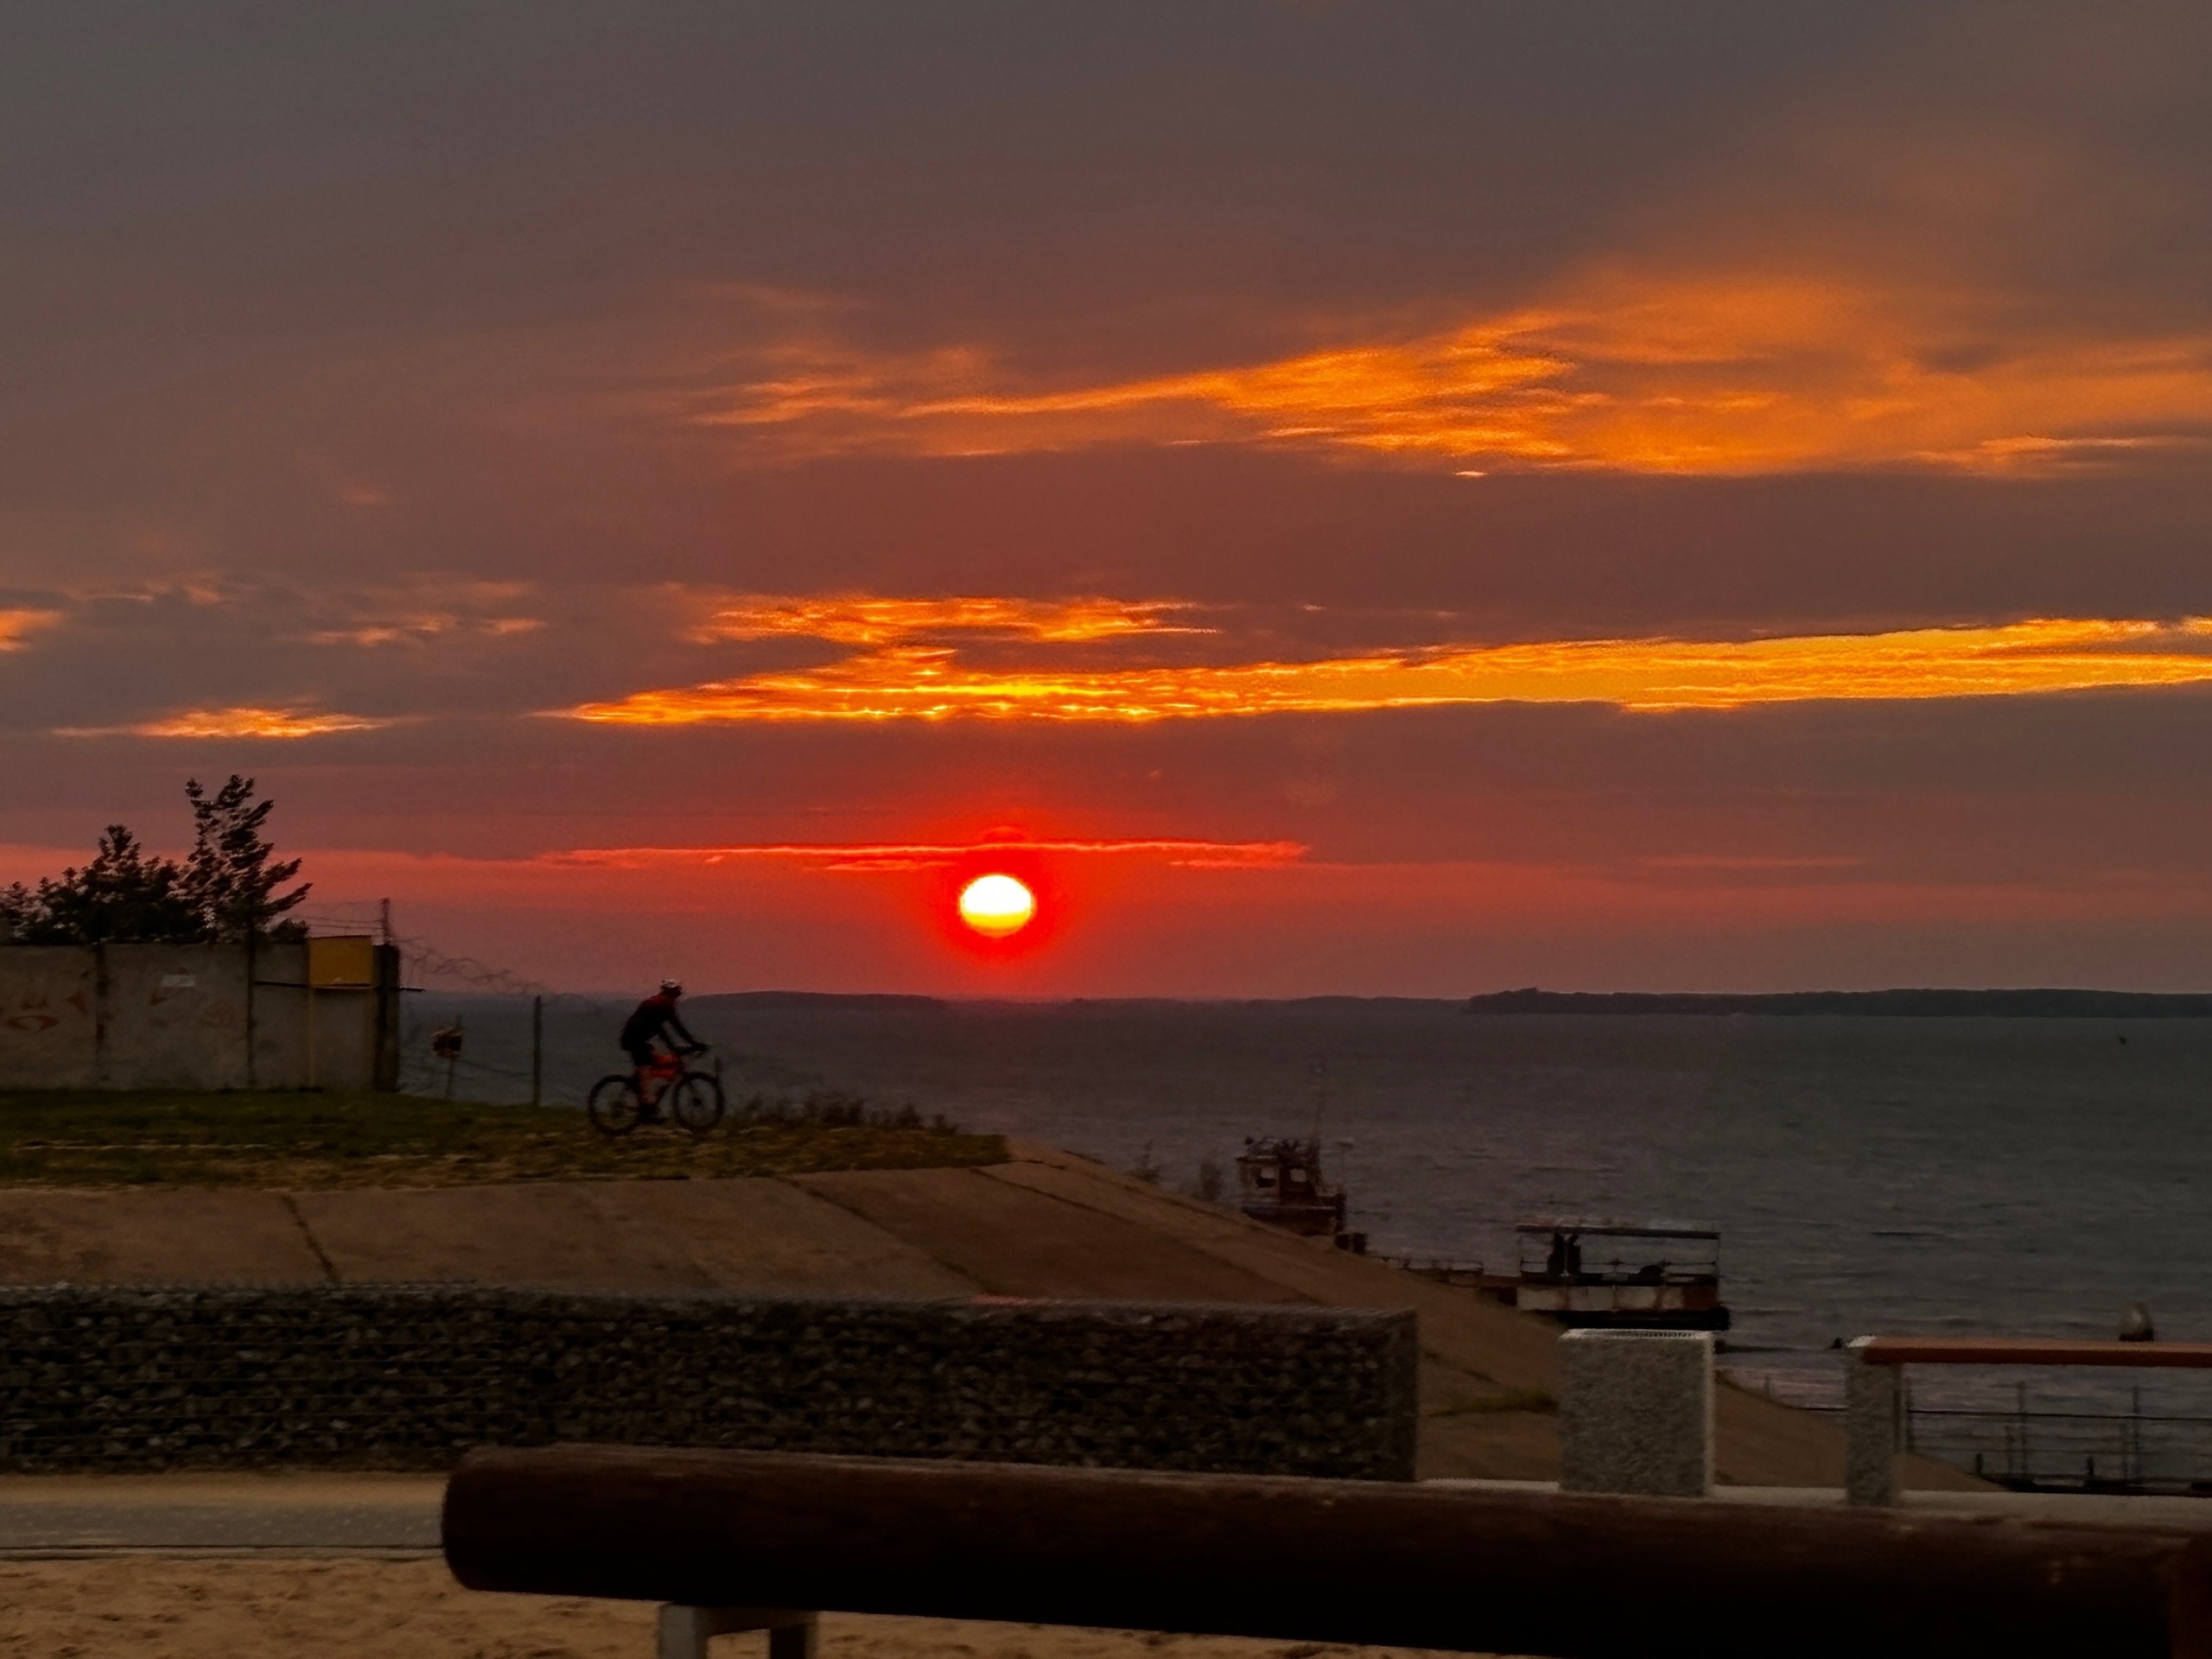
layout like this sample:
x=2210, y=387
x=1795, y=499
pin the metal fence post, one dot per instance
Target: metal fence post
x=1873, y=1400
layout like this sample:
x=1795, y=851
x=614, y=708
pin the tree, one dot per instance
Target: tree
x=122, y=895
x=228, y=876
x=225, y=889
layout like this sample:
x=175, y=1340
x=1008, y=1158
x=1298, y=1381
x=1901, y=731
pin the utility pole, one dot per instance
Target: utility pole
x=537, y=1051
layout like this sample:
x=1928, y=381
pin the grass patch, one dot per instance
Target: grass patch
x=318, y=1139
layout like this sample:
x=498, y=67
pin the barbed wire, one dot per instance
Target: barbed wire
x=341, y=915
x=425, y=958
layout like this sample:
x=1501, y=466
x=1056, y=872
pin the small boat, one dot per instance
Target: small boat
x=1279, y=1181
x=1616, y=1275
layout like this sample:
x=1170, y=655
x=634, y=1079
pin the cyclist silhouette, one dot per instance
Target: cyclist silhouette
x=653, y=1018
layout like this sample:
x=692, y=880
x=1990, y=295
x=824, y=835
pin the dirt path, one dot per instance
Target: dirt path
x=194, y=1514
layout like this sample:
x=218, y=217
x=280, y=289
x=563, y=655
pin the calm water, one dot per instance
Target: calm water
x=1992, y=1175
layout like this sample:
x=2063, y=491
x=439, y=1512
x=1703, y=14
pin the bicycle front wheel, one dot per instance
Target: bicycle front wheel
x=613, y=1107
x=696, y=1102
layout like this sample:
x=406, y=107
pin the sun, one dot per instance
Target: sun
x=997, y=906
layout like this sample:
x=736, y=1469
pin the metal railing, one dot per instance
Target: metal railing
x=2046, y=1449
x=2036, y=1451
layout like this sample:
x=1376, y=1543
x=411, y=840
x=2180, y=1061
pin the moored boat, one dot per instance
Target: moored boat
x=1612, y=1274
x=1279, y=1181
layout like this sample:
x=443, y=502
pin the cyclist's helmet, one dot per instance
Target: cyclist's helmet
x=671, y=987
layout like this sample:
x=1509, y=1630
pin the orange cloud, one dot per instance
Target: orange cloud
x=1710, y=373
x=17, y=625
x=869, y=619
x=415, y=630
x=233, y=722
x=420, y=611
x=932, y=683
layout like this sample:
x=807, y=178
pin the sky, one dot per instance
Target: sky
x=1382, y=499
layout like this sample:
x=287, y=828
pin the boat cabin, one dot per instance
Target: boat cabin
x=1279, y=1181
x=1616, y=1274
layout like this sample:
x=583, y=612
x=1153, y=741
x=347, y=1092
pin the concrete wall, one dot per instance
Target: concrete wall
x=176, y=1015
x=49, y=1017
x=411, y=1377
x=195, y=1016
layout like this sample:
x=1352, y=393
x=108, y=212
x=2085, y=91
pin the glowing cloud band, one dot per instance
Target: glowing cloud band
x=1701, y=373
x=872, y=620
x=1181, y=852
x=233, y=722
x=919, y=682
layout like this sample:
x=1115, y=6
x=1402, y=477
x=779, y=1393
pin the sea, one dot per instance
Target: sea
x=1891, y=1175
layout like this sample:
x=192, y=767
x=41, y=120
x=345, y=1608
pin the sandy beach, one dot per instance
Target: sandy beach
x=154, y=1608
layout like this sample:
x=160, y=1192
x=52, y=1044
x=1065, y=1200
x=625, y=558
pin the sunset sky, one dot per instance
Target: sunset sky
x=1390, y=497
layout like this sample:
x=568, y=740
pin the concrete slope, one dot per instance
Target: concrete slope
x=1479, y=1335
x=1047, y=1224
x=763, y=1236
x=1016, y=1242
x=1487, y=1372
x=1483, y=1363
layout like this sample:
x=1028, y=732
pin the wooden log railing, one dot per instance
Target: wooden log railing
x=1873, y=1388
x=1578, y=1577
x=2032, y=1351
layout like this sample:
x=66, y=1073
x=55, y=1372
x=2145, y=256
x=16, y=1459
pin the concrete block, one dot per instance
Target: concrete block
x=1873, y=1416
x=1636, y=1412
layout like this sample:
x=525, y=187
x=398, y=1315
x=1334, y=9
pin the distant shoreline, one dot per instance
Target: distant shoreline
x=1910, y=1004
x=859, y=1001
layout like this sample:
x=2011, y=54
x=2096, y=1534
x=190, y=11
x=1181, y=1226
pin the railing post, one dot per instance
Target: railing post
x=1873, y=1403
x=685, y=1631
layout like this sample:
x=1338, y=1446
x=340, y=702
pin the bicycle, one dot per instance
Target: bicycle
x=693, y=1099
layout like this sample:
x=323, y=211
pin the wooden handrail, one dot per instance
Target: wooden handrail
x=1576, y=1576
x=2032, y=1351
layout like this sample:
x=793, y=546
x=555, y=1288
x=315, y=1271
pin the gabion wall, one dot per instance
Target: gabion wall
x=410, y=1377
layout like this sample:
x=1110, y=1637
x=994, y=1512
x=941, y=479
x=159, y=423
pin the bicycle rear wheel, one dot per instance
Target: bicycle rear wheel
x=613, y=1107
x=696, y=1102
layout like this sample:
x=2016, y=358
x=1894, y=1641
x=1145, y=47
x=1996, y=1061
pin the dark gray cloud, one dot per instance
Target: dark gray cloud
x=351, y=352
